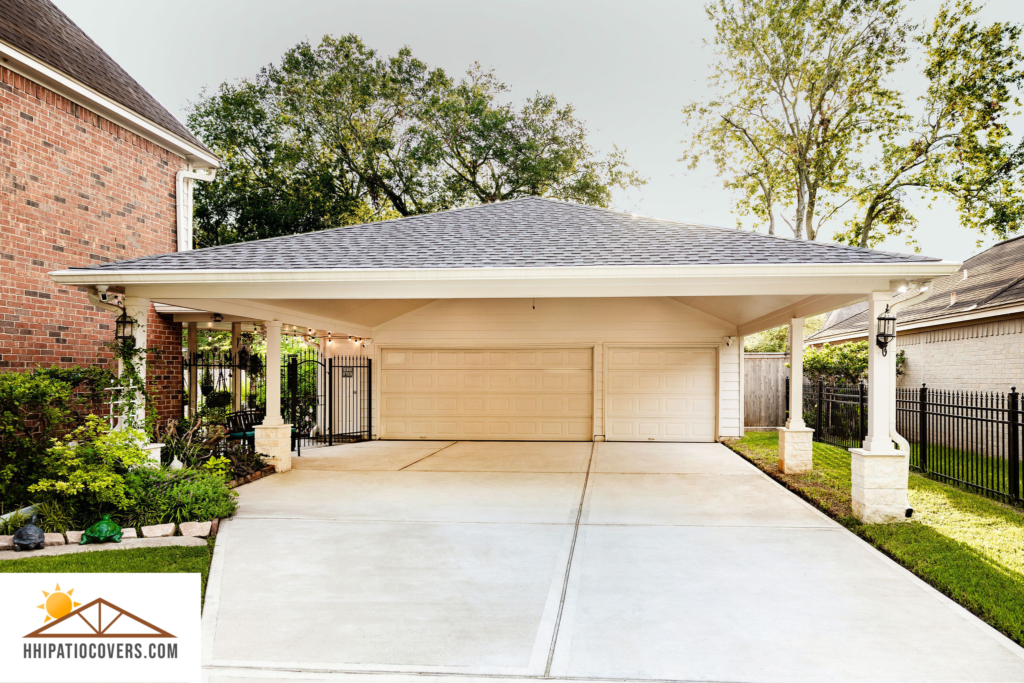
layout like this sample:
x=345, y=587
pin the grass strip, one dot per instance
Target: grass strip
x=169, y=560
x=967, y=546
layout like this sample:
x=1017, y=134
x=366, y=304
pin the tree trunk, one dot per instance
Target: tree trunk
x=869, y=218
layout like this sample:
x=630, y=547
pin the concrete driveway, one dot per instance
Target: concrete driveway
x=405, y=561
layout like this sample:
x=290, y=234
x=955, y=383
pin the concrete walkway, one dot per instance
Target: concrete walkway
x=396, y=562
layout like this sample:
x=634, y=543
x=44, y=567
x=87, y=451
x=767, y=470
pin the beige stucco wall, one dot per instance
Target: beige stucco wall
x=980, y=357
x=499, y=323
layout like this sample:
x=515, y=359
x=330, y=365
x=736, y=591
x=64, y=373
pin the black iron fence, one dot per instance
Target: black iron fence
x=969, y=438
x=327, y=400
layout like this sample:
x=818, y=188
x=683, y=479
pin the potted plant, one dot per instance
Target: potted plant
x=206, y=385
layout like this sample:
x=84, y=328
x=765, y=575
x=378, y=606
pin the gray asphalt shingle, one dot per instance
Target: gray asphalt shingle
x=527, y=232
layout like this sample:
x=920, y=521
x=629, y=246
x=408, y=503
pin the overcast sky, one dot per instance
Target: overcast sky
x=628, y=67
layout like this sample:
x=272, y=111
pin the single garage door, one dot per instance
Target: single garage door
x=661, y=394
x=497, y=394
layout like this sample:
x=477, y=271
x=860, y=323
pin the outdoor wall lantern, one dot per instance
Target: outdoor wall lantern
x=886, y=330
x=124, y=326
x=217, y=317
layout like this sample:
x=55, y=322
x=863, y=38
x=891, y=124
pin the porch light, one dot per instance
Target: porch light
x=886, y=330
x=217, y=317
x=124, y=328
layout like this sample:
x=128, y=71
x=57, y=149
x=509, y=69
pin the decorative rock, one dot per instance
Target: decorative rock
x=201, y=529
x=158, y=530
x=128, y=532
x=53, y=539
x=74, y=536
x=6, y=542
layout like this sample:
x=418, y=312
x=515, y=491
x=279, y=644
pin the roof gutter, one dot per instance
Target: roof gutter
x=183, y=181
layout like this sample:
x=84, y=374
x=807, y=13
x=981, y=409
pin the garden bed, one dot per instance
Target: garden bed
x=966, y=546
x=265, y=472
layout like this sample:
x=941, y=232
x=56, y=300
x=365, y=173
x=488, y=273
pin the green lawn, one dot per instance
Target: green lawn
x=969, y=547
x=175, y=559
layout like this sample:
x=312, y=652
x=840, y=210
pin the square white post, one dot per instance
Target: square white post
x=274, y=437
x=879, y=473
x=796, y=442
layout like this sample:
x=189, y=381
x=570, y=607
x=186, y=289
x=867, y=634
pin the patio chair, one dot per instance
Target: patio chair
x=242, y=426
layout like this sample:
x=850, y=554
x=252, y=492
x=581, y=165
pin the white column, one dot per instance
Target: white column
x=796, y=440
x=796, y=374
x=273, y=437
x=138, y=307
x=879, y=473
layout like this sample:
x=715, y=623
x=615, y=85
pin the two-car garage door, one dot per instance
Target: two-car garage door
x=652, y=394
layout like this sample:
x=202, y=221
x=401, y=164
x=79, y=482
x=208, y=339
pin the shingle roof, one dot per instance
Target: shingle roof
x=527, y=232
x=994, y=278
x=39, y=29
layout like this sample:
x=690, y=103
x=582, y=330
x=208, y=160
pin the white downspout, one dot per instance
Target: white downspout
x=926, y=291
x=183, y=203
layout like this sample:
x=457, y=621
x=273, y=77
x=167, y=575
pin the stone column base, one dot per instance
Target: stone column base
x=796, y=450
x=275, y=441
x=879, y=485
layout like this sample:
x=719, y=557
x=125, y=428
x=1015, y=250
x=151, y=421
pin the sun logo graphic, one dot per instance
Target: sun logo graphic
x=58, y=603
x=66, y=618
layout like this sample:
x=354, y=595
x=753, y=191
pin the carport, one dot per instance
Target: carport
x=540, y=320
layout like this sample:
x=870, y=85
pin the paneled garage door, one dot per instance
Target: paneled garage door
x=661, y=394
x=511, y=394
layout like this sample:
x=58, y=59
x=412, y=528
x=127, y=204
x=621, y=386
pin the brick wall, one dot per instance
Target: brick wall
x=76, y=190
x=980, y=357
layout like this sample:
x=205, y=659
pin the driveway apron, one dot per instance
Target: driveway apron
x=399, y=561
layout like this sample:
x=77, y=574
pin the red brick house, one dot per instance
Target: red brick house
x=92, y=169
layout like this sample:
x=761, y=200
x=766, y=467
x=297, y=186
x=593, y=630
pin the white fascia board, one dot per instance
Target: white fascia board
x=975, y=316
x=83, y=95
x=587, y=281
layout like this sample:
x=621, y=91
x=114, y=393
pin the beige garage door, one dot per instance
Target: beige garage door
x=497, y=394
x=661, y=394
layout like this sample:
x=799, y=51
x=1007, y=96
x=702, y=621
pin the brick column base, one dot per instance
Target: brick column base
x=796, y=450
x=879, y=485
x=275, y=441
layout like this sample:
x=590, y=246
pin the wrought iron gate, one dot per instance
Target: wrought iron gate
x=329, y=399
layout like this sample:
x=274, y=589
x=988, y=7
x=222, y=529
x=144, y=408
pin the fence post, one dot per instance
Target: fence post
x=369, y=399
x=330, y=400
x=922, y=432
x=293, y=383
x=821, y=407
x=1013, y=415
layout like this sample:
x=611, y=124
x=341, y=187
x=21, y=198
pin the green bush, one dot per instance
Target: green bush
x=89, y=464
x=161, y=495
x=35, y=408
x=842, y=364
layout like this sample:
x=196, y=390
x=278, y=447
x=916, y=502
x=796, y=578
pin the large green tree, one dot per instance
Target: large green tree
x=808, y=127
x=337, y=134
x=799, y=85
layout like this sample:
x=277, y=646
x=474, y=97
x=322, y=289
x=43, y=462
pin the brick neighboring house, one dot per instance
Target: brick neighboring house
x=88, y=174
x=969, y=334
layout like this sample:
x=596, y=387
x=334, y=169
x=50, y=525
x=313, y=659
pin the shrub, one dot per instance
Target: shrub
x=89, y=464
x=160, y=496
x=13, y=523
x=842, y=364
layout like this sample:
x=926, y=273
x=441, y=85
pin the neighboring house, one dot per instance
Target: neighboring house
x=89, y=163
x=969, y=334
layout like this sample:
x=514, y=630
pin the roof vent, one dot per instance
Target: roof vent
x=952, y=298
x=965, y=274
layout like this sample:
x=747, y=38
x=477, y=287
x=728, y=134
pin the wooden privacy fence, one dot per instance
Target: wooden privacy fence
x=764, y=389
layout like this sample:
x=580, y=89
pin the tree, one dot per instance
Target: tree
x=336, y=134
x=803, y=85
x=959, y=146
x=776, y=339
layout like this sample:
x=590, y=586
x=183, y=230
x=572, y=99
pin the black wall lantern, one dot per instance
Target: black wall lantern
x=886, y=330
x=125, y=327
